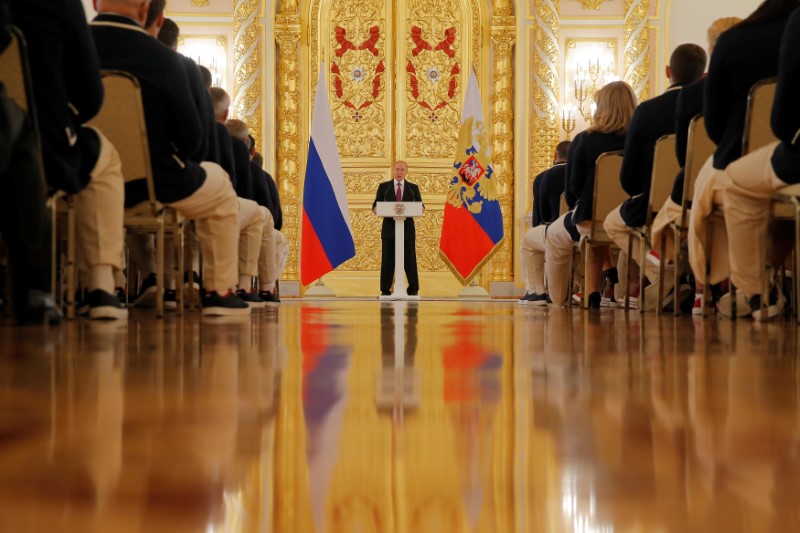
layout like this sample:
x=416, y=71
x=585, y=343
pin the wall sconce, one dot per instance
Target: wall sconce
x=210, y=52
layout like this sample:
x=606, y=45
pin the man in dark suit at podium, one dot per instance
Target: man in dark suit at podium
x=398, y=190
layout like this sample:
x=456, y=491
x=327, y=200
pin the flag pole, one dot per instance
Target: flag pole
x=320, y=290
x=473, y=291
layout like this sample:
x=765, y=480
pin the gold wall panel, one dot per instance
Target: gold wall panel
x=395, y=75
x=544, y=132
x=247, y=78
x=287, y=36
x=637, y=47
x=503, y=39
x=429, y=231
x=367, y=183
x=363, y=183
x=367, y=231
x=430, y=184
x=357, y=77
x=432, y=74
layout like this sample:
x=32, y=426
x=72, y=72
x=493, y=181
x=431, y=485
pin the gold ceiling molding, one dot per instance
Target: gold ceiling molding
x=200, y=3
x=503, y=34
x=545, y=133
x=637, y=47
x=591, y=4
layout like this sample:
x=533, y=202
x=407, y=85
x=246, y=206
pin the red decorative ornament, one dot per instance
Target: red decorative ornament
x=346, y=46
x=445, y=46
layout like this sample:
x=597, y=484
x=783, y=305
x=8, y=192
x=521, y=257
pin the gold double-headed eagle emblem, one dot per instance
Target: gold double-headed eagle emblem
x=471, y=184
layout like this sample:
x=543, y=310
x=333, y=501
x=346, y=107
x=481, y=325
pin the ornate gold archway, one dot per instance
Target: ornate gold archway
x=297, y=62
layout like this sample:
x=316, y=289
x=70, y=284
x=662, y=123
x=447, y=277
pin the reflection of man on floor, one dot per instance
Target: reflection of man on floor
x=398, y=190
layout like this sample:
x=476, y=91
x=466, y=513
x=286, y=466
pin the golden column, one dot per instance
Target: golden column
x=637, y=47
x=545, y=132
x=503, y=35
x=287, y=35
x=247, y=78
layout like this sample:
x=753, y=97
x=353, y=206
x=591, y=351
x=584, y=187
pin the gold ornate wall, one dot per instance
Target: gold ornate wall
x=637, y=47
x=522, y=71
x=395, y=73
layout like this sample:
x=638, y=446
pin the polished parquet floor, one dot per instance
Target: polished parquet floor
x=363, y=416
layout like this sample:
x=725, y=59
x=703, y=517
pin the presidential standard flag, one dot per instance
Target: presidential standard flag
x=473, y=224
x=327, y=238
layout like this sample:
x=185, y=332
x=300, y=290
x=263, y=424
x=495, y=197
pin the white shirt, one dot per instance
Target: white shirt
x=402, y=187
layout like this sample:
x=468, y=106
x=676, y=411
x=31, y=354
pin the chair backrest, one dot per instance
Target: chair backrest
x=665, y=168
x=699, y=148
x=757, y=127
x=608, y=191
x=562, y=206
x=121, y=119
x=14, y=71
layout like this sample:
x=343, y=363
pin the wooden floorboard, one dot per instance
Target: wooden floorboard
x=366, y=416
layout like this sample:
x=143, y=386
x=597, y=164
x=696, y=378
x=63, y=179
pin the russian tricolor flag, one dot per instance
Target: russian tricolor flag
x=327, y=238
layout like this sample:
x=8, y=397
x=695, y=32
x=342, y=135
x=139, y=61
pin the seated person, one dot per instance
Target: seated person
x=744, y=55
x=690, y=104
x=750, y=181
x=616, y=103
x=266, y=194
x=652, y=120
x=78, y=159
x=202, y=191
x=267, y=268
x=547, y=190
x=23, y=223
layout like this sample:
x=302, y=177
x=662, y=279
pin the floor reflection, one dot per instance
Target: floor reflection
x=401, y=417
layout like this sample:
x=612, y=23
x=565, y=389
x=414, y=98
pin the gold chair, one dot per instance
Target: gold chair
x=121, y=119
x=699, y=148
x=665, y=167
x=608, y=194
x=16, y=78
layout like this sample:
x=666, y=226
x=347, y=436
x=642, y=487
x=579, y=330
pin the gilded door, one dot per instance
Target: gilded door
x=396, y=72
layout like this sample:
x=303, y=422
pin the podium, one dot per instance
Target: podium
x=399, y=211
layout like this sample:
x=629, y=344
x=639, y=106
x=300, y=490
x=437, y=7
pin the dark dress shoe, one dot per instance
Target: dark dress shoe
x=38, y=308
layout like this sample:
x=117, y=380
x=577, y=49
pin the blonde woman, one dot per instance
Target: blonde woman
x=616, y=103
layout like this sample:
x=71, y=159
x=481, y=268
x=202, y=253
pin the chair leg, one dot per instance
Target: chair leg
x=177, y=232
x=626, y=288
x=766, y=275
x=188, y=242
x=795, y=273
x=54, y=287
x=571, y=276
x=642, y=259
x=70, y=271
x=587, y=254
x=706, y=284
x=628, y=275
x=662, y=270
x=676, y=272
x=160, y=268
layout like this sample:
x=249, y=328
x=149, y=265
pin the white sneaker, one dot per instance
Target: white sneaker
x=724, y=306
x=774, y=307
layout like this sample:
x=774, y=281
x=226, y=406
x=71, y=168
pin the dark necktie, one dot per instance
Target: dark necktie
x=399, y=193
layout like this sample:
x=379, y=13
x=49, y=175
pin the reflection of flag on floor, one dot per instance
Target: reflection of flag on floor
x=327, y=239
x=473, y=224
